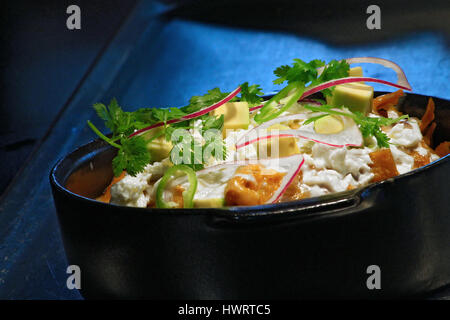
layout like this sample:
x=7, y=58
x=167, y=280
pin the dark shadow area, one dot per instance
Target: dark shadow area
x=41, y=64
x=338, y=22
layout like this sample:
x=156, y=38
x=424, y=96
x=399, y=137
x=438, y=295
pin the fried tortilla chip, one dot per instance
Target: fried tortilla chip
x=428, y=116
x=443, y=149
x=428, y=136
x=382, y=104
x=383, y=165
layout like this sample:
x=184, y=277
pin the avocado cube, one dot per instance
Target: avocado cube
x=355, y=72
x=355, y=96
x=236, y=115
x=159, y=147
x=287, y=146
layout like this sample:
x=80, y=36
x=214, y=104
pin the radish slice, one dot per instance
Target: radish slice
x=335, y=82
x=402, y=81
x=350, y=136
x=192, y=115
x=252, y=109
x=291, y=165
x=401, y=77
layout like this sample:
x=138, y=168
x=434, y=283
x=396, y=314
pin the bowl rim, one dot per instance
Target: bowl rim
x=350, y=197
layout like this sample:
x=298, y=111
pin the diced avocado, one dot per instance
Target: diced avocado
x=328, y=125
x=355, y=96
x=236, y=115
x=355, y=72
x=159, y=147
x=209, y=203
x=287, y=146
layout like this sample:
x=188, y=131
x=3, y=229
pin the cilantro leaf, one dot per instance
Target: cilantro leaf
x=300, y=71
x=211, y=122
x=132, y=157
x=371, y=126
x=333, y=70
x=197, y=103
x=117, y=120
x=251, y=94
x=169, y=130
x=195, y=153
x=281, y=73
x=165, y=114
x=300, y=76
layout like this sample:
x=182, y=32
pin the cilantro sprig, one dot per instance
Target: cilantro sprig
x=299, y=77
x=369, y=126
x=132, y=154
x=194, y=150
x=249, y=93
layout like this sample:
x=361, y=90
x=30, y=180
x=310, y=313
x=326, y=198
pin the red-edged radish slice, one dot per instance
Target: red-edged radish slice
x=192, y=115
x=401, y=77
x=336, y=82
x=252, y=109
x=350, y=136
x=293, y=165
x=289, y=165
x=402, y=81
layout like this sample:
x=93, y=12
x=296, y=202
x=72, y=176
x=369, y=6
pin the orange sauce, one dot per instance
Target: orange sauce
x=177, y=196
x=106, y=196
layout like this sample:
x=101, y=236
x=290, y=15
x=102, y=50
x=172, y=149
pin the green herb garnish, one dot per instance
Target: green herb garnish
x=299, y=77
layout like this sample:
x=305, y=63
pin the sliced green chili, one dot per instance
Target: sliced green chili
x=270, y=111
x=188, y=195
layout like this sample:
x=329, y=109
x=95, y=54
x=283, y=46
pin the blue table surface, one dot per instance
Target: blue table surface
x=153, y=62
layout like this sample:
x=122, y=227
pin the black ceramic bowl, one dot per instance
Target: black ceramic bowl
x=314, y=248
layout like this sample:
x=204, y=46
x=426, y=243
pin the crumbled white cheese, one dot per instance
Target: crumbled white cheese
x=135, y=191
x=403, y=161
x=406, y=134
x=336, y=169
x=130, y=191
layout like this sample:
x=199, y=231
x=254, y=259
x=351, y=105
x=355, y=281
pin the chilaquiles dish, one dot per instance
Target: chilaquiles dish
x=234, y=149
